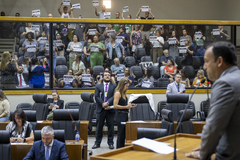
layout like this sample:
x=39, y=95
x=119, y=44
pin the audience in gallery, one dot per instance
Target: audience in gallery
x=197, y=80
x=121, y=41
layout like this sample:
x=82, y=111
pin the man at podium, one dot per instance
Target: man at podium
x=221, y=133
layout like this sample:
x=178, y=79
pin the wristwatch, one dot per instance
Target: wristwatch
x=24, y=140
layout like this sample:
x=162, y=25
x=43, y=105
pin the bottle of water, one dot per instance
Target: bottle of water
x=77, y=137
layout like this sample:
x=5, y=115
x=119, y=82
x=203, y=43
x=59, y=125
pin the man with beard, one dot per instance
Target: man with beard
x=104, y=93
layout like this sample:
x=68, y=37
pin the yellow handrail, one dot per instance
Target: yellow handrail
x=124, y=21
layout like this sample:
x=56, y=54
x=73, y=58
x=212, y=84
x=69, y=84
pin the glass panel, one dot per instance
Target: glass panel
x=82, y=51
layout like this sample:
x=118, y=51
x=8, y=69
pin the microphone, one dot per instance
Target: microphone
x=175, y=134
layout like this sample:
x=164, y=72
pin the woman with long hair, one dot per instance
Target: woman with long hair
x=170, y=70
x=185, y=80
x=147, y=81
x=4, y=107
x=74, y=47
x=19, y=128
x=78, y=66
x=54, y=103
x=36, y=73
x=120, y=103
x=199, y=78
x=8, y=71
x=129, y=74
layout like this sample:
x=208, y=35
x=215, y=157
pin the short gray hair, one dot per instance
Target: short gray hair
x=47, y=130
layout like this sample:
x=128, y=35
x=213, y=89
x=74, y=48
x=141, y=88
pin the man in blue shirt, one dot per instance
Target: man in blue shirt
x=117, y=66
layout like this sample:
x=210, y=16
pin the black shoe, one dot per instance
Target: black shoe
x=111, y=146
x=95, y=146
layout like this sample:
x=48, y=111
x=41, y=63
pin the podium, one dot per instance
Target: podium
x=185, y=144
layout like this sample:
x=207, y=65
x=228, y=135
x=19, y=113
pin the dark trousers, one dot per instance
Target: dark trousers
x=121, y=117
x=101, y=117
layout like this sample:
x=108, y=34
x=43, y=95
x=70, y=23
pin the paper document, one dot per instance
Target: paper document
x=95, y=3
x=76, y=6
x=125, y=9
x=145, y=8
x=158, y=147
x=66, y=2
x=36, y=12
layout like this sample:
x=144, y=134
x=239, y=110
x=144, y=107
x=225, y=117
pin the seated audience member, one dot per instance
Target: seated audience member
x=157, y=46
x=30, y=46
x=25, y=64
x=19, y=128
x=73, y=84
x=60, y=48
x=185, y=80
x=8, y=70
x=199, y=78
x=188, y=56
x=136, y=39
x=78, y=66
x=96, y=57
x=128, y=74
x=170, y=70
x=114, y=50
x=54, y=103
x=173, y=48
x=125, y=38
x=74, y=47
x=36, y=73
x=99, y=77
x=4, y=107
x=164, y=60
x=117, y=66
x=48, y=148
x=65, y=13
x=176, y=87
x=22, y=78
x=82, y=83
x=87, y=54
x=147, y=81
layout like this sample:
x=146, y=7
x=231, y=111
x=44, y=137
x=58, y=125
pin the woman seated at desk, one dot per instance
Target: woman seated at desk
x=54, y=103
x=19, y=128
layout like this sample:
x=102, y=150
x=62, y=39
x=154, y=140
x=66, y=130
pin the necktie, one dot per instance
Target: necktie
x=178, y=87
x=20, y=77
x=106, y=87
x=47, y=153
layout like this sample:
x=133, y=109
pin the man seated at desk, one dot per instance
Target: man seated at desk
x=176, y=87
x=48, y=148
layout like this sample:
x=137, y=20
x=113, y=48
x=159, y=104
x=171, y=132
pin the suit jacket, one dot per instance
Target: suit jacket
x=222, y=130
x=99, y=96
x=60, y=103
x=37, y=152
x=172, y=88
x=25, y=77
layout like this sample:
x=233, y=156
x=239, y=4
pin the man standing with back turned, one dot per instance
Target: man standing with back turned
x=221, y=133
x=104, y=93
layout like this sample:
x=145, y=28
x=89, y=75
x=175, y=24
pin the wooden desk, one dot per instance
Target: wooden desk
x=74, y=151
x=83, y=128
x=131, y=128
x=185, y=144
x=83, y=131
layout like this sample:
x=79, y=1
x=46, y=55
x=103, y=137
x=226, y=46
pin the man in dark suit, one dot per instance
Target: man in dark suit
x=221, y=133
x=104, y=93
x=22, y=78
x=47, y=148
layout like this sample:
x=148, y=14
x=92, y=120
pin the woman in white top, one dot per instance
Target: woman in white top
x=4, y=107
x=74, y=47
x=78, y=66
x=157, y=46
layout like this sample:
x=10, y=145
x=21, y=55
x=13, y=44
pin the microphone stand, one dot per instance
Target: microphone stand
x=175, y=136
